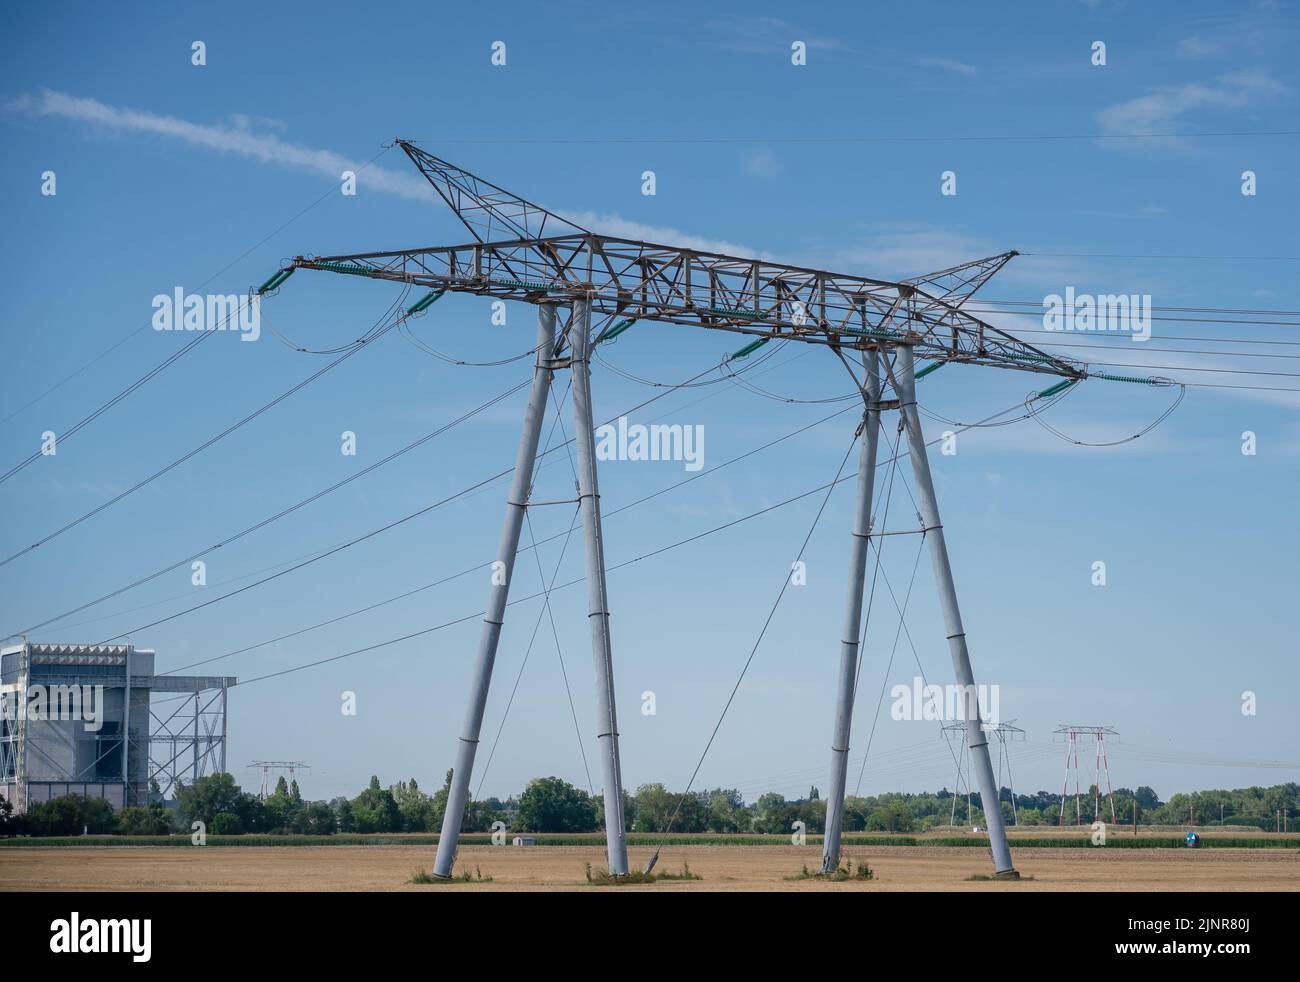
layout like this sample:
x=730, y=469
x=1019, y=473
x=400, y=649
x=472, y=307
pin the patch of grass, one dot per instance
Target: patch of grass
x=685, y=874
x=425, y=877
x=841, y=874
x=605, y=879
x=985, y=878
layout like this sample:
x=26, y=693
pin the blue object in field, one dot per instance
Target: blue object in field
x=1193, y=840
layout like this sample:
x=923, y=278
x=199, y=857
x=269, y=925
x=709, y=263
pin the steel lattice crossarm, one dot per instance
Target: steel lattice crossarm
x=635, y=280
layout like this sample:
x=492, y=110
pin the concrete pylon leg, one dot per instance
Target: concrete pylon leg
x=976, y=739
x=849, y=654
x=502, y=572
x=597, y=598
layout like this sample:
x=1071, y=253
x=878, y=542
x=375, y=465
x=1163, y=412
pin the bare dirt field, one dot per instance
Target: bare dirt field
x=755, y=868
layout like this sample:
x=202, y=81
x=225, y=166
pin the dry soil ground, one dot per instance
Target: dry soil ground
x=339, y=868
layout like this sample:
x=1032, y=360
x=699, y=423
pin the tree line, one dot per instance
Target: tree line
x=552, y=805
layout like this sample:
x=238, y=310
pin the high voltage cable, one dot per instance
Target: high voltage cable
x=319, y=553
x=361, y=345
x=626, y=563
x=249, y=251
x=286, y=511
x=1088, y=345
x=850, y=140
x=361, y=538
x=607, y=515
x=1190, y=310
x=378, y=333
x=893, y=651
x=547, y=590
x=785, y=585
x=1239, y=388
x=339, y=548
x=1189, y=368
x=547, y=611
x=1155, y=318
x=367, y=339
x=166, y=363
x=316, y=557
x=1122, y=255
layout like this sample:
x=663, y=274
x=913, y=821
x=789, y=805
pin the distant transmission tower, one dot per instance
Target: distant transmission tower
x=1001, y=733
x=290, y=767
x=1074, y=733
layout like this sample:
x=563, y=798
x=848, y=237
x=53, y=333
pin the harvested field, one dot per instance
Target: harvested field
x=758, y=868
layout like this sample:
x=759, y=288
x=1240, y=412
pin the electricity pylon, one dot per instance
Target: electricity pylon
x=1074, y=734
x=1001, y=732
x=521, y=251
x=290, y=767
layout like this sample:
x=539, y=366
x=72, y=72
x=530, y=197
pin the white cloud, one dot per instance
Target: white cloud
x=768, y=35
x=948, y=64
x=615, y=225
x=1159, y=110
x=240, y=140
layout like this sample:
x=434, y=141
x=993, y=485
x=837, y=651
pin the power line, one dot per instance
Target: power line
x=368, y=535
x=1123, y=255
x=609, y=514
x=568, y=442
x=1186, y=310
x=86, y=420
x=360, y=345
x=852, y=140
x=627, y=563
x=483, y=407
x=242, y=256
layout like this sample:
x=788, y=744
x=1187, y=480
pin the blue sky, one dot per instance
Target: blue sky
x=167, y=172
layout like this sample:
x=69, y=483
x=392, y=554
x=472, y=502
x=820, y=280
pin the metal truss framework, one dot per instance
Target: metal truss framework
x=190, y=741
x=523, y=252
x=626, y=278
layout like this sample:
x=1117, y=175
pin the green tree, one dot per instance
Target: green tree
x=253, y=814
x=550, y=804
x=727, y=811
x=772, y=814
x=414, y=805
x=71, y=814
x=206, y=798
x=654, y=807
x=893, y=814
x=152, y=819
x=344, y=820
x=226, y=823
x=374, y=810
x=283, y=810
x=318, y=818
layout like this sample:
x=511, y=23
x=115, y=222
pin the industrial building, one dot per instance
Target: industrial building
x=95, y=720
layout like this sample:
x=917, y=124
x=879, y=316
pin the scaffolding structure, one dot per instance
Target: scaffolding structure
x=189, y=741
